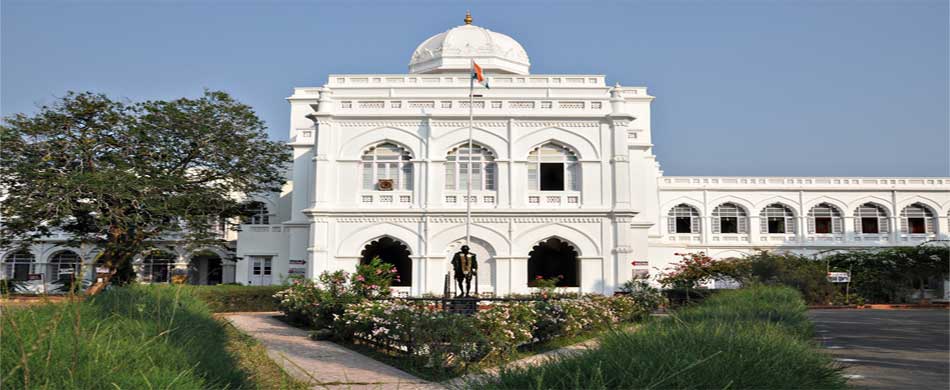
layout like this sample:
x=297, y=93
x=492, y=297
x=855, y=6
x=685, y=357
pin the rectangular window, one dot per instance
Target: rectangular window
x=552, y=177
x=684, y=225
x=776, y=225
x=917, y=225
x=869, y=225
x=822, y=225
x=267, y=267
x=729, y=225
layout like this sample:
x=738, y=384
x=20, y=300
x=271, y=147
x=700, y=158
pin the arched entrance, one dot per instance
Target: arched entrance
x=554, y=258
x=393, y=252
x=205, y=268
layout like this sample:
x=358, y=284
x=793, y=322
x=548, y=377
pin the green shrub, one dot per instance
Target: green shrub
x=751, y=338
x=890, y=275
x=234, y=298
x=131, y=337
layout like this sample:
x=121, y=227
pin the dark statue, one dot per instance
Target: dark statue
x=465, y=267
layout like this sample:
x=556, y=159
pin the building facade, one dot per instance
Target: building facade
x=564, y=185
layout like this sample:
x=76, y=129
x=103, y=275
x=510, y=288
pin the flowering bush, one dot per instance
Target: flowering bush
x=505, y=327
x=493, y=334
x=546, y=287
x=374, y=278
x=316, y=304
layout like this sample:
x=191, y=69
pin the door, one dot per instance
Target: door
x=260, y=270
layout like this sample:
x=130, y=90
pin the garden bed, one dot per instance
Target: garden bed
x=751, y=338
x=419, y=337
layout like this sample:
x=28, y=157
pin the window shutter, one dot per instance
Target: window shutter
x=671, y=224
x=533, y=176
x=857, y=225
x=763, y=225
x=695, y=225
x=743, y=224
x=811, y=224
x=883, y=225
x=407, y=176
x=368, y=176
x=930, y=225
x=716, y=227
x=450, y=175
x=836, y=225
x=791, y=225
x=903, y=222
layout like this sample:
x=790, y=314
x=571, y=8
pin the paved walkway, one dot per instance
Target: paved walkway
x=888, y=349
x=322, y=363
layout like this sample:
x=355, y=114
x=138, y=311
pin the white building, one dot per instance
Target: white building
x=565, y=183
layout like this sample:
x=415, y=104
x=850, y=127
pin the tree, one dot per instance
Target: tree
x=123, y=176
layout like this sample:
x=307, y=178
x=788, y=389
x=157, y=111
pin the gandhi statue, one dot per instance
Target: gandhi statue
x=465, y=266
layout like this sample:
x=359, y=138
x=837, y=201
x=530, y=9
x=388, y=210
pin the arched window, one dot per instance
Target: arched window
x=684, y=219
x=870, y=218
x=156, y=267
x=825, y=219
x=18, y=265
x=257, y=214
x=777, y=218
x=730, y=218
x=387, y=162
x=552, y=167
x=484, y=175
x=63, y=265
x=917, y=219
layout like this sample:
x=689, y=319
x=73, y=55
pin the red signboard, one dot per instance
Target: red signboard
x=641, y=263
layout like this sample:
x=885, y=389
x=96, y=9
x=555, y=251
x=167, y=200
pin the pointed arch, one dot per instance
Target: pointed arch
x=580, y=240
x=391, y=251
x=356, y=240
x=584, y=147
x=459, y=136
x=353, y=147
x=554, y=258
x=785, y=202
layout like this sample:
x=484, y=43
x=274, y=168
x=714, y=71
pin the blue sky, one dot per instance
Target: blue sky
x=851, y=88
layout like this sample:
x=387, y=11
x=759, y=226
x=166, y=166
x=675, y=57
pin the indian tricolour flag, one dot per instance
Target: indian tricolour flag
x=477, y=74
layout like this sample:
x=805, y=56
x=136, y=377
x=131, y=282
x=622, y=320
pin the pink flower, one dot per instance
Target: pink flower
x=373, y=287
x=538, y=277
x=393, y=270
x=360, y=278
x=378, y=271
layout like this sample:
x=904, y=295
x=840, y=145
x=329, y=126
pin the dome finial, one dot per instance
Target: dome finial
x=468, y=17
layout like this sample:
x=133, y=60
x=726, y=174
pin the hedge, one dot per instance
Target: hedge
x=755, y=338
x=234, y=298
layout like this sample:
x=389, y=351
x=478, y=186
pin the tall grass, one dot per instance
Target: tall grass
x=134, y=337
x=756, y=338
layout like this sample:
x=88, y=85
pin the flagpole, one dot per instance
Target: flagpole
x=471, y=118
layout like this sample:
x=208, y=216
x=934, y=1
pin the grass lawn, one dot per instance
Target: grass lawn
x=756, y=338
x=133, y=337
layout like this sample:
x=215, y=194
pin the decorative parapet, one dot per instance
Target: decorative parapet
x=802, y=183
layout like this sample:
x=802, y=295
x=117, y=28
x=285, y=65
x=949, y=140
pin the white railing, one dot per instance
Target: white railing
x=678, y=182
x=555, y=199
x=386, y=198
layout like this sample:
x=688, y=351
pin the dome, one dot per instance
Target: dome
x=453, y=50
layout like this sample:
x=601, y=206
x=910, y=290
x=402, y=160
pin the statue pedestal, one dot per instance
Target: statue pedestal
x=466, y=306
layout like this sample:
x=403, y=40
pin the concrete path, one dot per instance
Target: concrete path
x=322, y=363
x=888, y=349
